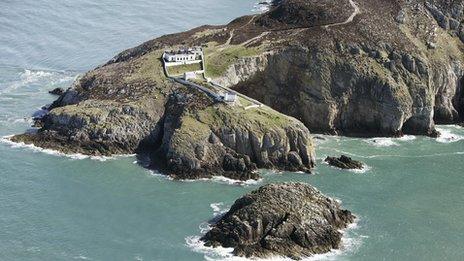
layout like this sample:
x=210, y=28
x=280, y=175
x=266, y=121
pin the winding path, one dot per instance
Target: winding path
x=350, y=19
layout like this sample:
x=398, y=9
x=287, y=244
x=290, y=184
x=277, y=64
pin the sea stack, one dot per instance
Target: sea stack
x=290, y=219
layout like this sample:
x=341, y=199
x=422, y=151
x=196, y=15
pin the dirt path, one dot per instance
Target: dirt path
x=231, y=33
x=350, y=19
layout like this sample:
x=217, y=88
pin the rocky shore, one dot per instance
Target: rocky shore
x=292, y=220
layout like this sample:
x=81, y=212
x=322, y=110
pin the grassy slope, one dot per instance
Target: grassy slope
x=220, y=57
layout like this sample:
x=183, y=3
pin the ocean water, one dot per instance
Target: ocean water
x=409, y=200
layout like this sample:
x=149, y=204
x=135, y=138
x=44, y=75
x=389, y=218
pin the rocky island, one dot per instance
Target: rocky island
x=365, y=67
x=291, y=219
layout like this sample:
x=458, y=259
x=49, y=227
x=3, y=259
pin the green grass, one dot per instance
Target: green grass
x=197, y=125
x=181, y=69
x=244, y=102
x=256, y=119
x=149, y=68
x=219, y=58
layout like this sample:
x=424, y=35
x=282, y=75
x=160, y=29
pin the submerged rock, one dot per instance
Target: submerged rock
x=344, y=162
x=292, y=219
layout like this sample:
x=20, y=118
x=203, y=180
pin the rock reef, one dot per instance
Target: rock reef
x=344, y=162
x=292, y=219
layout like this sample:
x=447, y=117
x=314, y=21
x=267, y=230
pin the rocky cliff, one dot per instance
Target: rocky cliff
x=202, y=139
x=397, y=67
x=292, y=220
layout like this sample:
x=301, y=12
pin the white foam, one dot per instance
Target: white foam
x=45, y=78
x=382, y=142
x=222, y=179
x=261, y=7
x=219, y=208
x=15, y=120
x=446, y=136
x=351, y=241
x=407, y=138
x=157, y=174
x=364, y=169
x=29, y=76
x=74, y=156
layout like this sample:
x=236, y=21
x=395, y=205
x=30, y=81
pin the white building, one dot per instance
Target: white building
x=183, y=55
x=230, y=97
x=189, y=75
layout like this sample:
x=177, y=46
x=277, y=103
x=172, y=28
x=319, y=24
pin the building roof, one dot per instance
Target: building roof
x=183, y=51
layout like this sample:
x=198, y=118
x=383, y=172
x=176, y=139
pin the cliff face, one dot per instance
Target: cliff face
x=202, y=139
x=396, y=68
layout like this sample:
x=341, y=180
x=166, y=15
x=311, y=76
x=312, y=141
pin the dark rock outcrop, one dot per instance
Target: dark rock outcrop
x=57, y=91
x=344, y=162
x=293, y=220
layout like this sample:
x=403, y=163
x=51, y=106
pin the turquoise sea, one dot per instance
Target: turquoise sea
x=409, y=200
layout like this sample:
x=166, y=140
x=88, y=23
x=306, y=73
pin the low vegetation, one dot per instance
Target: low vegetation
x=181, y=69
x=220, y=57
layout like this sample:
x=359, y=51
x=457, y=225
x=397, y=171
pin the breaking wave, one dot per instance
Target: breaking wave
x=227, y=181
x=47, y=79
x=74, y=156
x=351, y=241
x=447, y=136
x=219, y=208
x=262, y=6
x=382, y=142
x=365, y=168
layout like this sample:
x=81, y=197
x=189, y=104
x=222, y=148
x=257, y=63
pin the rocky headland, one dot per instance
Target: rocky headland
x=130, y=107
x=292, y=219
x=365, y=67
